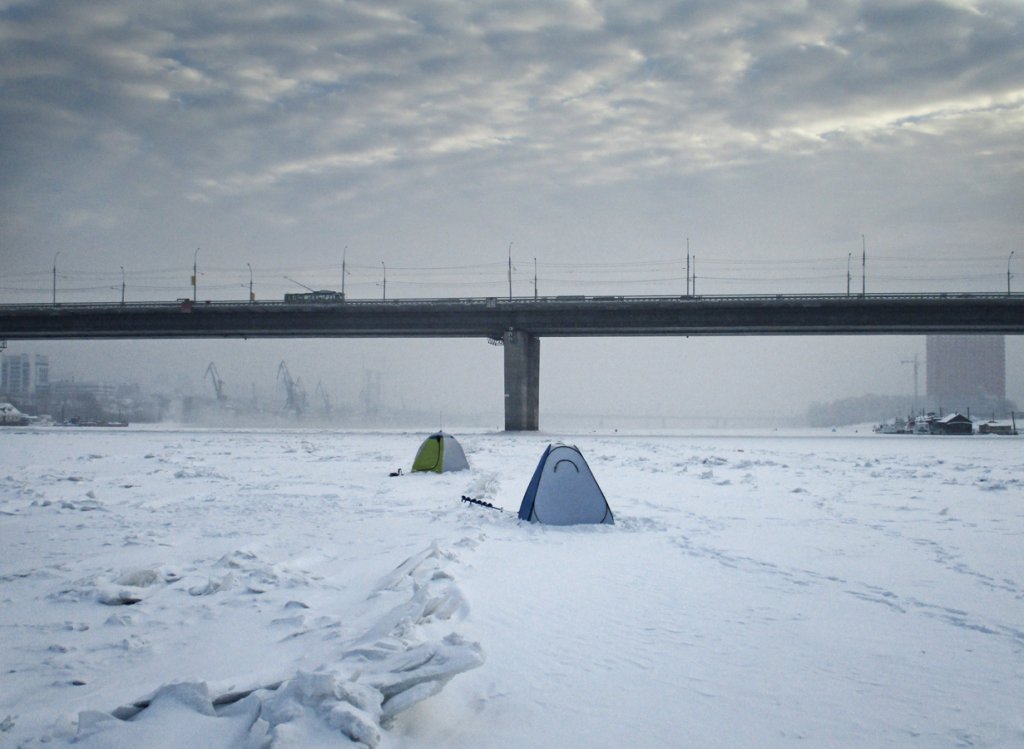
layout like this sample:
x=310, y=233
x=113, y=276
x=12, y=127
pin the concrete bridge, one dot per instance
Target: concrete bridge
x=519, y=323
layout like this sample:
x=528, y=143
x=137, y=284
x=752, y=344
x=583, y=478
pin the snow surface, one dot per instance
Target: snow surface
x=230, y=588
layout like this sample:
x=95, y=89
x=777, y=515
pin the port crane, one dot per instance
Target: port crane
x=218, y=383
x=323, y=396
x=917, y=363
x=295, y=395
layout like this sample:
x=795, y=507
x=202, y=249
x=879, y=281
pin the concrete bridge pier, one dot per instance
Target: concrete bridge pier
x=522, y=381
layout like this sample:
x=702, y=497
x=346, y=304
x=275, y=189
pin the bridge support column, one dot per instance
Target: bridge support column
x=522, y=381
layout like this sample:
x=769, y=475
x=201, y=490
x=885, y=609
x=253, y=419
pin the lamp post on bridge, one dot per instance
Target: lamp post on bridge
x=687, y=266
x=122, y=285
x=251, y=297
x=384, y=286
x=55, y=278
x=848, y=256
x=863, y=265
x=195, y=277
x=1008, y=275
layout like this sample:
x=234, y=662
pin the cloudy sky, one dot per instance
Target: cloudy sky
x=421, y=139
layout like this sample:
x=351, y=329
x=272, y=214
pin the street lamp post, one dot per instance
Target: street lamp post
x=55, y=278
x=384, y=295
x=687, y=266
x=195, y=277
x=122, y=285
x=251, y=297
x=849, y=255
x=344, y=253
x=863, y=265
x=1008, y=275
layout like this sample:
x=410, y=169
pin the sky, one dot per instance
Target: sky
x=792, y=146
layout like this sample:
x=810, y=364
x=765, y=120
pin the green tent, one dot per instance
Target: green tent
x=440, y=452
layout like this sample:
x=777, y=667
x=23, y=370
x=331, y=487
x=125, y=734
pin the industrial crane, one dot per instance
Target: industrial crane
x=323, y=396
x=916, y=362
x=296, y=396
x=218, y=383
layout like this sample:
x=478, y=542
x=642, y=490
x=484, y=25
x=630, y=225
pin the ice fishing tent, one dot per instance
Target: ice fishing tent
x=440, y=452
x=563, y=491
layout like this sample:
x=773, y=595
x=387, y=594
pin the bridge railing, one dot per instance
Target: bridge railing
x=187, y=305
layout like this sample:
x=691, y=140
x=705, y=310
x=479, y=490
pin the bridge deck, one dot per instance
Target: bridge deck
x=546, y=316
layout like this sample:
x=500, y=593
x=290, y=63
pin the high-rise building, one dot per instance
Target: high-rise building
x=42, y=374
x=966, y=371
x=20, y=379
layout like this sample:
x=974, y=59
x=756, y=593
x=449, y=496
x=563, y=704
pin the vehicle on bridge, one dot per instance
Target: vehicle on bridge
x=323, y=295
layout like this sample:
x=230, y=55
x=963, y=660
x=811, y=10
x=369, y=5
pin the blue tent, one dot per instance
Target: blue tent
x=563, y=491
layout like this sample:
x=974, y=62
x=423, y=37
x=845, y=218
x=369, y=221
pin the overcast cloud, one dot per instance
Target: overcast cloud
x=433, y=134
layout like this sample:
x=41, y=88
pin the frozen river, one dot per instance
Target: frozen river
x=246, y=588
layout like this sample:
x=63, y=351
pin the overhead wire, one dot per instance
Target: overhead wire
x=654, y=272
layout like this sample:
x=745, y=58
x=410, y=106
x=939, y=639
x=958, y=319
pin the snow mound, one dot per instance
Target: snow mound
x=376, y=676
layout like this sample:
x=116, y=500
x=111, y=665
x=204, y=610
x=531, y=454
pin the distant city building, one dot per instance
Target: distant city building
x=25, y=382
x=22, y=376
x=70, y=389
x=966, y=371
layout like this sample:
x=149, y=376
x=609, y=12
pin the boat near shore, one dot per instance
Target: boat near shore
x=10, y=416
x=91, y=423
x=950, y=424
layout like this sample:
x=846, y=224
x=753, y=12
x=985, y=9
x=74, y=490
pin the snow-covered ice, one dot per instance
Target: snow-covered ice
x=257, y=588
